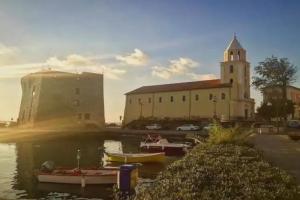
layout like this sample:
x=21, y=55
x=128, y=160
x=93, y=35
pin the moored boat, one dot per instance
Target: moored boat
x=135, y=157
x=158, y=144
x=82, y=176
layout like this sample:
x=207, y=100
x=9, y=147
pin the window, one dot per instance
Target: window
x=223, y=96
x=183, y=98
x=79, y=116
x=129, y=101
x=160, y=99
x=231, y=56
x=210, y=96
x=29, y=116
x=23, y=115
x=77, y=91
x=139, y=100
x=87, y=116
x=171, y=98
x=149, y=100
x=33, y=91
x=76, y=102
x=238, y=55
x=196, y=97
x=231, y=81
x=231, y=68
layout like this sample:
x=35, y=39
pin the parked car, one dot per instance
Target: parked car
x=153, y=127
x=293, y=123
x=188, y=127
x=208, y=127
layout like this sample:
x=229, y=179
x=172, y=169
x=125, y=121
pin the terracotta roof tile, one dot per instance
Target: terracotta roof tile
x=216, y=83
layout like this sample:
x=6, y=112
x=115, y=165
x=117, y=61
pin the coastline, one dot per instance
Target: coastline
x=11, y=135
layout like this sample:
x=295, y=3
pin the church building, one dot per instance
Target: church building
x=227, y=98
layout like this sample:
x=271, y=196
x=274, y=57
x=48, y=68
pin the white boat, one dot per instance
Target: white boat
x=135, y=157
x=82, y=176
x=158, y=144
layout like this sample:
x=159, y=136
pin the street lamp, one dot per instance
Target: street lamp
x=215, y=107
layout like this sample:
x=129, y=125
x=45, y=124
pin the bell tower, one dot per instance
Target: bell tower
x=236, y=70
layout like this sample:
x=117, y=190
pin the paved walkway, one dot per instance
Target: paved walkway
x=281, y=151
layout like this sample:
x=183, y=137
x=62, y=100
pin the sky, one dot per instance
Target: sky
x=136, y=43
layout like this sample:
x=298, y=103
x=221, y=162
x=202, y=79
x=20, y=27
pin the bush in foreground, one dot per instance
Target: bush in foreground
x=223, y=172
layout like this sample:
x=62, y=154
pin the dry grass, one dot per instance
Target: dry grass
x=235, y=135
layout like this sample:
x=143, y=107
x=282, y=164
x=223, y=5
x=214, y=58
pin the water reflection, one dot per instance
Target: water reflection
x=18, y=164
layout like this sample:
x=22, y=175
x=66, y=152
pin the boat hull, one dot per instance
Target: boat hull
x=136, y=158
x=169, y=151
x=86, y=177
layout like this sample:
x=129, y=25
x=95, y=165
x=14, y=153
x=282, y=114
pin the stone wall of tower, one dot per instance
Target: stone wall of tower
x=237, y=72
x=62, y=99
x=30, y=99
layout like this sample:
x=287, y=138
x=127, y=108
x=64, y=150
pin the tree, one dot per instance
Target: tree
x=265, y=111
x=275, y=108
x=275, y=72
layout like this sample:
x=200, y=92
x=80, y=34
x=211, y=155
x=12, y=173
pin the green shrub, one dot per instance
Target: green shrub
x=235, y=135
x=221, y=172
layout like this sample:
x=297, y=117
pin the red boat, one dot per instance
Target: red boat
x=154, y=144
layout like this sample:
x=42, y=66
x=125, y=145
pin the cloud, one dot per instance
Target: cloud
x=113, y=73
x=71, y=60
x=71, y=63
x=176, y=67
x=137, y=58
x=161, y=72
x=200, y=77
x=5, y=50
x=8, y=55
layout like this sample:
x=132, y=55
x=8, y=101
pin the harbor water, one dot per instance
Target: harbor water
x=19, y=162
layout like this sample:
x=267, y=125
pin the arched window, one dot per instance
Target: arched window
x=77, y=91
x=76, y=102
x=87, y=116
x=231, y=56
x=160, y=99
x=231, y=68
x=183, y=98
x=196, y=97
x=231, y=81
x=171, y=98
x=223, y=96
x=33, y=91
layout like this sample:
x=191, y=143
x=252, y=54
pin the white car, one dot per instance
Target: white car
x=208, y=127
x=188, y=127
x=153, y=127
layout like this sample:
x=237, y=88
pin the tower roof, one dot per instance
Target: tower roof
x=234, y=44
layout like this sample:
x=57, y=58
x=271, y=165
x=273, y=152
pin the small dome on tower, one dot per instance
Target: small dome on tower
x=234, y=44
